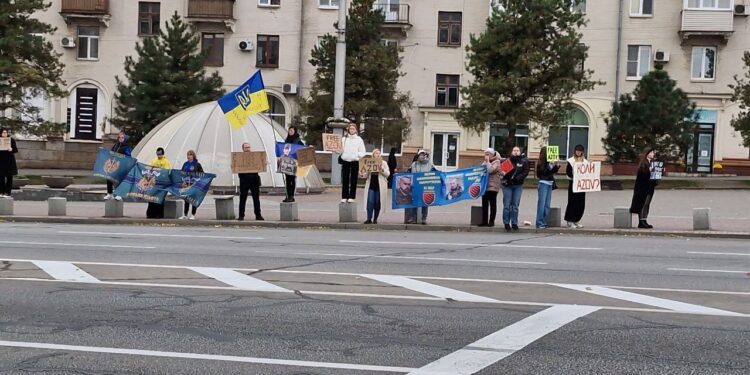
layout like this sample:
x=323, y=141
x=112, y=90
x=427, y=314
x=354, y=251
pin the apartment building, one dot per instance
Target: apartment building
x=699, y=41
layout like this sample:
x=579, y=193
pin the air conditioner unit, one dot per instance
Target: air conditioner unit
x=68, y=42
x=661, y=56
x=245, y=45
x=741, y=10
x=289, y=88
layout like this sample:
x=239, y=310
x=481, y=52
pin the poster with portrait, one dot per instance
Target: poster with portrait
x=412, y=190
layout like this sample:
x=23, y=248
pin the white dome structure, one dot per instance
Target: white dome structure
x=205, y=129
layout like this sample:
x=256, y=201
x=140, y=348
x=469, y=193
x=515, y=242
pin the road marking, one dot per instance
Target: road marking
x=429, y=289
x=403, y=257
x=699, y=270
x=501, y=344
x=76, y=244
x=159, y=235
x=649, y=300
x=710, y=253
x=471, y=244
x=65, y=271
x=239, y=280
x=210, y=357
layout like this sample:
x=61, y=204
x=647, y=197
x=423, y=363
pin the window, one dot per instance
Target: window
x=268, y=51
x=641, y=7
x=88, y=43
x=499, y=135
x=390, y=42
x=576, y=132
x=328, y=3
x=580, y=67
x=445, y=150
x=704, y=63
x=213, y=46
x=709, y=4
x=269, y=3
x=276, y=110
x=446, y=91
x=579, y=6
x=148, y=18
x=639, y=61
x=449, y=28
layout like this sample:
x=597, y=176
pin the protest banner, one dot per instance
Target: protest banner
x=145, y=183
x=369, y=164
x=587, y=177
x=306, y=157
x=424, y=189
x=190, y=186
x=112, y=166
x=553, y=153
x=5, y=144
x=249, y=162
x=332, y=142
x=657, y=169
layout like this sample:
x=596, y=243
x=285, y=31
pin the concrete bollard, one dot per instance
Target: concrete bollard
x=623, y=218
x=476, y=215
x=554, y=218
x=57, y=206
x=288, y=211
x=173, y=208
x=224, y=207
x=347, y=212
x=701, y=219
x=6, y=206
x=114, y=208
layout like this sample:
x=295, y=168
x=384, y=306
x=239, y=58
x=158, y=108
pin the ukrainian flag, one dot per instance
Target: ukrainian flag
x=248, y=99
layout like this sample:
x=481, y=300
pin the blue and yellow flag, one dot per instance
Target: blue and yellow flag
x=248, y=99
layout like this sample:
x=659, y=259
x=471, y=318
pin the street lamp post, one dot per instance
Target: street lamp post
x=338, y=122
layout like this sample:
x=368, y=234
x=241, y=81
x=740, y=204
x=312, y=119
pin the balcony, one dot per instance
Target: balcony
x=71, y=10
x=212, y=11
x=707, y=23
x=396, y=15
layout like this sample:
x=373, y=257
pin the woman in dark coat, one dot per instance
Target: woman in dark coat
x=392, y=165
x=576, y=201
x=291, y=181
x=8, y=167
x=643, y=191
x=120, y=147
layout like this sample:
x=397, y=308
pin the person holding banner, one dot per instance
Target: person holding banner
x=494, y=182
x=290, y=181
x=353, y=150
x=644, y=188
x=287, y=166
x=249, y=182
x=8, y=166
x=191, y=166
x=545, y=172
x=513, y=188
x=156, y=210
x=376, y=188
x=422, y=164
x=576, y=201
x=121, y=147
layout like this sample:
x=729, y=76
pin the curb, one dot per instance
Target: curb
x=360, y=226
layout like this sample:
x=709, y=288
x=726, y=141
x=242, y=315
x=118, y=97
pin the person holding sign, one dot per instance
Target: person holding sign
x=376, y=188
x=290, y=181
x=353, y=149
x=287, y=166
x=8, y=167
x=643, y=191
x=513, y=188
x=576, y=201
x=121, y=147
x=249, y=182
x=422, y=164
x=193, y=167
x=545, y=172
x=494, y=182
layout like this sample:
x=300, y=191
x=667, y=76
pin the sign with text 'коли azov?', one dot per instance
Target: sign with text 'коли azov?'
x=587, y=177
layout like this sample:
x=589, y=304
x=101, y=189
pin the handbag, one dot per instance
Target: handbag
x=341, y=161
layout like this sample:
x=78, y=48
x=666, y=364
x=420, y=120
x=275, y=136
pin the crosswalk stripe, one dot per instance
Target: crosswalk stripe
x=65, y=271
x=429, y=289
x=239, y=280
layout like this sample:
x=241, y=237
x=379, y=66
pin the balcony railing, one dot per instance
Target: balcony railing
x=85, y=6
x=220, y=9
x=707, y=22
x=394, y=13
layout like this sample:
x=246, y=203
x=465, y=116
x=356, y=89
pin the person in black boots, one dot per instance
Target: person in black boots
x=249, y=182
x=121, y=147
x=576, y=201
x=291, y=180
x=643, y=191
x=8, y=167
x=494, y=178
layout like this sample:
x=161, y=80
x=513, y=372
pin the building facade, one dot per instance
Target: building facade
x=700, y=43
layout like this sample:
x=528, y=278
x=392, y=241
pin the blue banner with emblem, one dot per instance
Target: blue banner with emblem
x=424, y=189
x=288, y=149
x=191, y=186
x=145, y=184
x=112, y=166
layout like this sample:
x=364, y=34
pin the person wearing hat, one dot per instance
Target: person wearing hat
x=494, y=180
x=576, y=201
x=156, y=210
x=422, y=164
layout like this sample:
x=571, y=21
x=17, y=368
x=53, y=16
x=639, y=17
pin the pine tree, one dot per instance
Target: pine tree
x=526, y=66
x=29, y=67
x=372, y=73
x=168, y=77
x=741, y=122
x=656, y=114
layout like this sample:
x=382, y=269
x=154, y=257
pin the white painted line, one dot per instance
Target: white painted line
x=75, y=244
x=471, y=244
x=649, y=300
x=403, y=257
x=699, y=270
x=501, y=344
x=159, y=235
x=238, y=280
x=429, y=289
x=209, y=357
x=710, y=253
x=65, y=271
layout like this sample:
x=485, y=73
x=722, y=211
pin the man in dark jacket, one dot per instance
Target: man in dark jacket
x=249, y=182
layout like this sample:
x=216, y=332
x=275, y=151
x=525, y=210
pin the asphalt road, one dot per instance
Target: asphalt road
x=170, y=300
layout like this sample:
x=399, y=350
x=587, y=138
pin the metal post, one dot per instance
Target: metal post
x=338, y=95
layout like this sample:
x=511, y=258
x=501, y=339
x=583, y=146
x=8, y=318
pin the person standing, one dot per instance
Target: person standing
x=287, y=166
x=644, y=188
x=494, y=179
x=576, y=201
x=422, y=164
x=375, y=186
x=120, y=147
x=353, y=150
x=249, y=182
x=392, y=166
x=513, y=188
x=156, y=210
x=545, y=172
x=290, y=181
x=8, y=166
x=192, y=167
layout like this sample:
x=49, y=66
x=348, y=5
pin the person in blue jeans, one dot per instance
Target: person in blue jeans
x=513, y=188
x=545, y=172
x=377, y=189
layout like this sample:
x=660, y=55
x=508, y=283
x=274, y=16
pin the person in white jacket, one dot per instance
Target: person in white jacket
x=353, y=150
x=376, y=188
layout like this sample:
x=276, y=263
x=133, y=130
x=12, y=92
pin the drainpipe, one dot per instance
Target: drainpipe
x=301, y=48
x=619, y=50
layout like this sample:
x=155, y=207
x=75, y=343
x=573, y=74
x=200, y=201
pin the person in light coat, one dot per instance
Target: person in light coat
x=377, y=190
x=353, y=150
